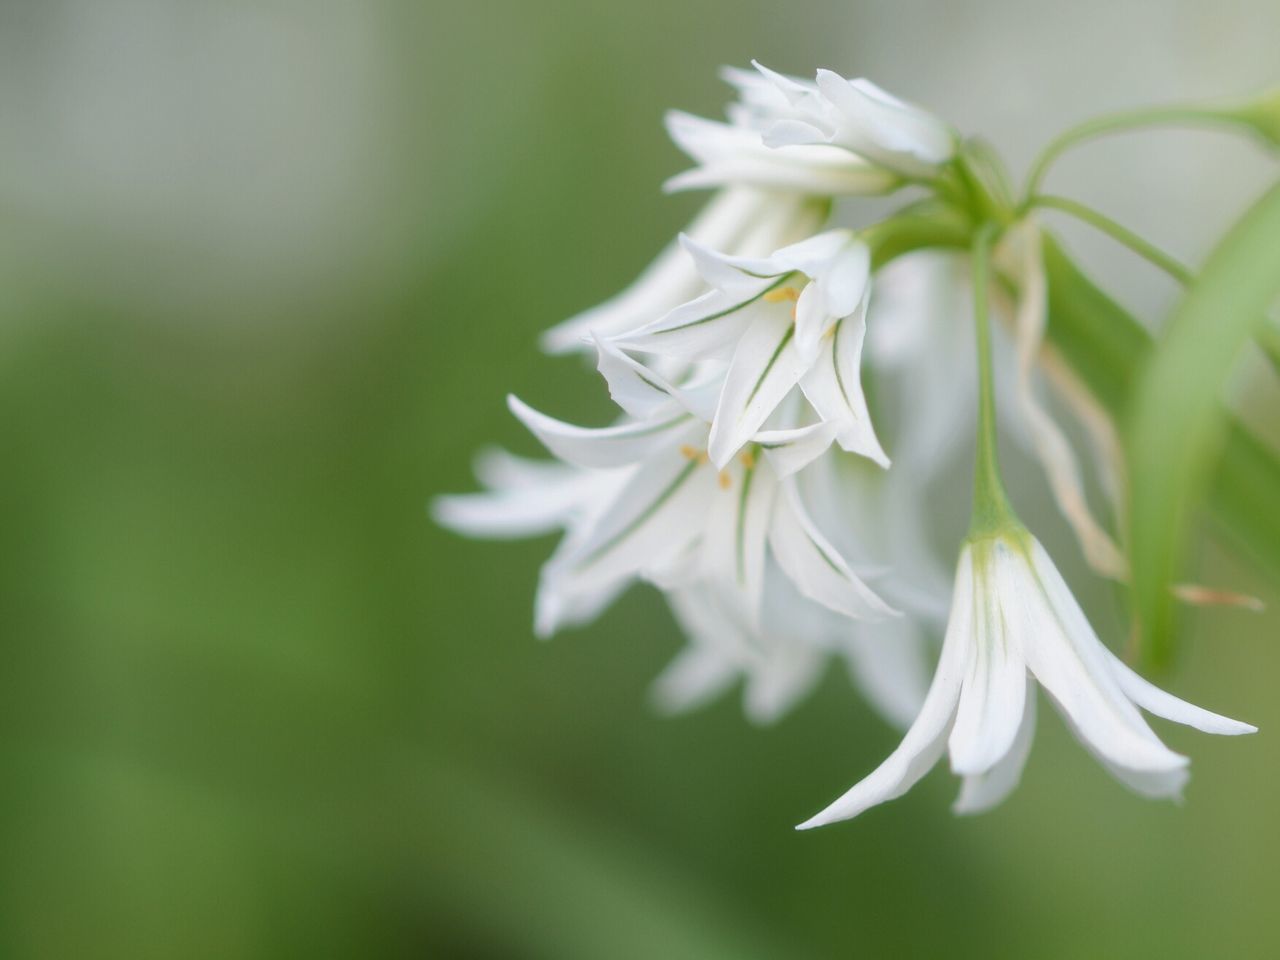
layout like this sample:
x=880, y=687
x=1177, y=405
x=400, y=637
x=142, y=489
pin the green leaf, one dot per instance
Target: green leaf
x=1105, y=345
x=1176, y=433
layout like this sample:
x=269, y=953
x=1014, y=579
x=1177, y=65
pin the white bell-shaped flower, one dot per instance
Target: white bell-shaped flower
x=1014, y=622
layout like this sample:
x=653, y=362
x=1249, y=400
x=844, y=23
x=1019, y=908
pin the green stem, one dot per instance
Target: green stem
x=1267, y=337
x=978, y=195
x=1115, y=231
x=991, y=509
x=1115, y=123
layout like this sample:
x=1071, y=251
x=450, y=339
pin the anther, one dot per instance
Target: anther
x=782, y=294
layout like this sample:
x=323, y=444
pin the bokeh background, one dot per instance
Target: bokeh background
x=267, y=270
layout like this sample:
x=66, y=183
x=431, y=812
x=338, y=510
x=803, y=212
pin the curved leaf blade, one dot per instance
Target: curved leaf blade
x=1176, y=430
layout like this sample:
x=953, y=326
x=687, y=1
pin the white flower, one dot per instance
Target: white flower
x=1014, y=621
x=853, y=114
x=795, y=317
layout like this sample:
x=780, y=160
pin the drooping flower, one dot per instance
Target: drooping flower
x=1014, y=622
x=797, y=316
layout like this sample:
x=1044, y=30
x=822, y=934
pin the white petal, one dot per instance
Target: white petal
x=789, y=451
x=1160, y=784
x=696, y=676
x=924, y=742
x=1154, y=785
x=708, y=327
x=563, y=602
x=1154, y=700
x=708, y=621
x=735, y=531
x=526, y=497
x=499, y=469
x=655, y=516
x=635, y=388
x=676, y=571
x=812, y=321
x=503, y=515
x=794, y=90
x=764, y=368
x=745, y=277
x=844, y=281
x=787, y=674
x=599, y=447
x=994, y=692
x=834, y=387
x=1069, y=660
x=815, y=255
x=814, y=566
x=729, y=154
x=883, y=128
x=980, y=792
x=793, y=133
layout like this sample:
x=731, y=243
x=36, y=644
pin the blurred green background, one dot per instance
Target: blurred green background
x=266, y=272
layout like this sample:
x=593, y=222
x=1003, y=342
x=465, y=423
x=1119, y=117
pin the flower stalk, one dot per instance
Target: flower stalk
x=991, y=509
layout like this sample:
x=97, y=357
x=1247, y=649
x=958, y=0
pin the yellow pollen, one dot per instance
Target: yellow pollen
x=748, y=458
x=724, y=480
x=693, y=453
x=781, y=294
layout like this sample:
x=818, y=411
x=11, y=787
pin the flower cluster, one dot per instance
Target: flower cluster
x=744, y=477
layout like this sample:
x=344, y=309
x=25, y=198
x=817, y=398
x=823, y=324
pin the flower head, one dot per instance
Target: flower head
x=1014, y=622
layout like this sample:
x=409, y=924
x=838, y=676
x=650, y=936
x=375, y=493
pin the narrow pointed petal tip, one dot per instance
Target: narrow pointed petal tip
x=1163, y=704
x=818, y=820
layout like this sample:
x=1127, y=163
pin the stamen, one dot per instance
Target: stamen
x=781, y=294
x=693, y=453
x=724, y=480
x=748, y=458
